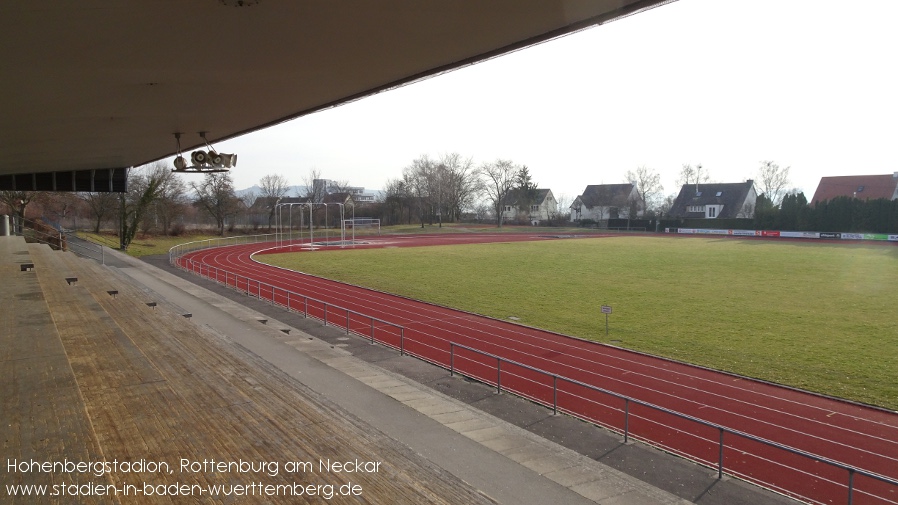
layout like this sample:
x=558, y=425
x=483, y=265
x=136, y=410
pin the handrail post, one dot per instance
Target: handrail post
x=325, y=314
x=451, y=359
x=372, y=331
x=720, y=456
x=850, y=485
x=555, y=395
x=498, y=375
x=402, y=341
x=288, y=301
x=626, y=420
x=347, y=321
x=305, y=312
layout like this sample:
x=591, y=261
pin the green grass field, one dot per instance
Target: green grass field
x=144, y=245
x=816, y=316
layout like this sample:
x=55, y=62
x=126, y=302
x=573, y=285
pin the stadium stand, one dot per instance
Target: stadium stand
x=102, y=376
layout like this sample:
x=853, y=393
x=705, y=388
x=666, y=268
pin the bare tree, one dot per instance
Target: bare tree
x=215, y=194
x=102, y=206
x=499, y=180
x=275, y=187
x=144, y=184
x=418, y=178
x=315, y=190
x=563, y=207
x=648, y=186
x=693, y=175
x=482, y=212
x=63, y=205
x=17, y=201
x=773, y=181
x=667, y=204
x=171, y=201
x=460, y=184
x=396, y=197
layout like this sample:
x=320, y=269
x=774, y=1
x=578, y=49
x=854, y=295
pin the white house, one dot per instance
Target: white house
x=600, y=202
x=716, y=201
x=541, y=208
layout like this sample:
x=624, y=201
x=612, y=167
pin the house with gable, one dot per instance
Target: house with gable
x=600, y=202
x=864, y=187
x=715, y=201
x=542, y=207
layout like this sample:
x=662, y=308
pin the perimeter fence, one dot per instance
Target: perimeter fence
x=793, y=472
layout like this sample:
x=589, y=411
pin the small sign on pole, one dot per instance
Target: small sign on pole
x=606, y=309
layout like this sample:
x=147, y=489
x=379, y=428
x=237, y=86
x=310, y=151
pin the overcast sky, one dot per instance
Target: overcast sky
x=810, y=84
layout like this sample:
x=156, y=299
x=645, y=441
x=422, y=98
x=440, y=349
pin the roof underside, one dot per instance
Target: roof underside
x=104, y=84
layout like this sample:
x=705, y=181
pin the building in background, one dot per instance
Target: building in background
x=865, y=187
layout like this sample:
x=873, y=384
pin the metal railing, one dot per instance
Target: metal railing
x=197, y=245
x=329, y=314
x=59, y=239
x=851, y=473
x=708, y=449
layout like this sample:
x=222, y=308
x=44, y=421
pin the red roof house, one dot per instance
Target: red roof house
x=865, y=187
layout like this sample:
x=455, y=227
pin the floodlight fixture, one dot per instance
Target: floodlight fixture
x=204, y=162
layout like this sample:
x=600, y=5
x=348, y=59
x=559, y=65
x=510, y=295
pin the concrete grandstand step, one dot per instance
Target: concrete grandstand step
x=157, y=387
x=41, y=410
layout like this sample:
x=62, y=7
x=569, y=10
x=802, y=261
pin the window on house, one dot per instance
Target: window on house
x=534, y=207
x=719, y=193
x=696, y=208
x=508, y=208
x=698, y=193
x=860, y=188
x=712, y=211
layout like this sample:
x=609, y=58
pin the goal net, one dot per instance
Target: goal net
x=362, y=225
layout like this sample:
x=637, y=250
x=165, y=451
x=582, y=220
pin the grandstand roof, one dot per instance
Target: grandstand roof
x=101, y=85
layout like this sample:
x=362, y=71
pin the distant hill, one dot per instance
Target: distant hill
x=256, y=190
x=293, y=191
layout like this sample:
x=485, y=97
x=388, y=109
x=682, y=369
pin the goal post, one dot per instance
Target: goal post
x=365, y=225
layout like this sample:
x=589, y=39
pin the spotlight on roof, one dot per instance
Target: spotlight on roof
x=199, y=158
x=204, y=161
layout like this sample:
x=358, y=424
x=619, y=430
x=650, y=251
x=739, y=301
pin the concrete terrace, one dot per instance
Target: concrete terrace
x=100, y=363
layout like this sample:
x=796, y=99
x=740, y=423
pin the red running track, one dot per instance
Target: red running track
x=855, y=435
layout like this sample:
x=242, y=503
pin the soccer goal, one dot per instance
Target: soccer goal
x=362, y=225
